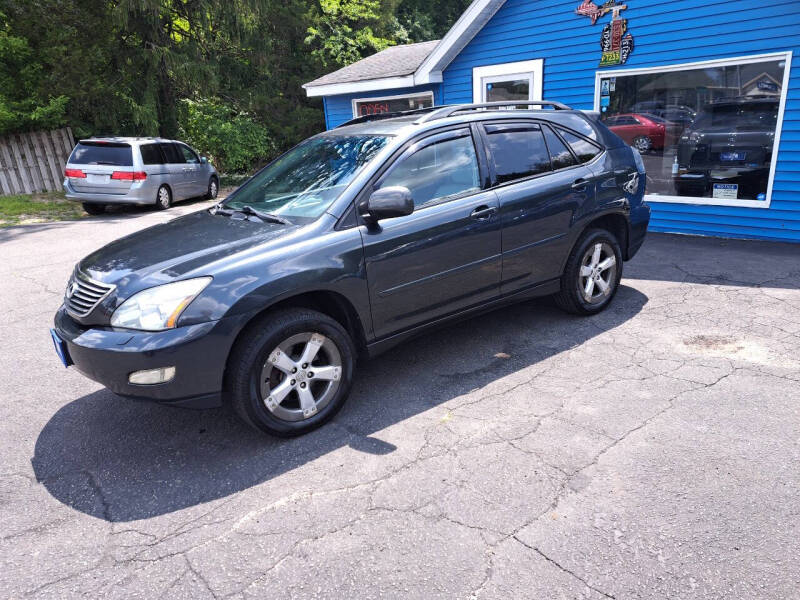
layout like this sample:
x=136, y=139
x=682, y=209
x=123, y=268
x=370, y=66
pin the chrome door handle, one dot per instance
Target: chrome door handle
x=483, y=212
x=580, y=184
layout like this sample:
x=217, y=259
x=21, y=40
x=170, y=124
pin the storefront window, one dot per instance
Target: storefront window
x=376, y=106
x=507, y=89
x=703, y=132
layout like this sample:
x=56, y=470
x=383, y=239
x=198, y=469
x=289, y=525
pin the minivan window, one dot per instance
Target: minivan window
x=583, y=149
x=518, y=151
x=102, y=153
x=188, y=156
x=445, y=168
x=171, y=153
x=151, y=154
x=559, y=153
x=309, y=177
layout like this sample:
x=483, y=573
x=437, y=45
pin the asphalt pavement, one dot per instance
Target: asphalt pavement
x=651, y=451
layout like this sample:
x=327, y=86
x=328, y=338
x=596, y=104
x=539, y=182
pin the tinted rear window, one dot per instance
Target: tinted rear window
x=171, y=153
x=151, y=154
x=93, y=153
x=518, y=151
x=559, y=153
x=583, y=149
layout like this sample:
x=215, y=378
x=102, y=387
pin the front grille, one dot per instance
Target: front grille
x=83, y=294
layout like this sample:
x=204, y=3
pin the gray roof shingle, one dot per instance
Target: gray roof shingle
x=395, y=61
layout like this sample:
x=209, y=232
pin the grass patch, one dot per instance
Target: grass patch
x=22, y=209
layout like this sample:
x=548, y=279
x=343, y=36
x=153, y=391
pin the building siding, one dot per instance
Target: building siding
x=665, y=33
x=339, y=109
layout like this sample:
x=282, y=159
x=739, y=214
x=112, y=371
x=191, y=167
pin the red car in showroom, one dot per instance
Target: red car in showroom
x=643, y=131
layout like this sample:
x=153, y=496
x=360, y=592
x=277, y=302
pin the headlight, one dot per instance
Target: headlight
x=158, y=307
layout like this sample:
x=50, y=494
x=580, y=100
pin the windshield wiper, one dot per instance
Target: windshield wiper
x=219, y=209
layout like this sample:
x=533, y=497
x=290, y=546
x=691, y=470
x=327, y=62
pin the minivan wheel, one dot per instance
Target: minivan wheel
x=213, y=188
x=93, y=209
x=163, y=198
x=290, y=372
x=592, y=275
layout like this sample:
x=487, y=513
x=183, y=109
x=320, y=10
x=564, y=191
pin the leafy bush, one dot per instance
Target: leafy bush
x=233, y=140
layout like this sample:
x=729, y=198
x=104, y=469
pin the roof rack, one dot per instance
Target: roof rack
x=447, y=111
x=386, y=115
x=432, y=113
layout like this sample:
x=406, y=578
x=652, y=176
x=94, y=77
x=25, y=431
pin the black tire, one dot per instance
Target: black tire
x=93, y=209
x=643, y=144
x=213, y=188
x=571, y=299
x=163, y=198
x=252, y=351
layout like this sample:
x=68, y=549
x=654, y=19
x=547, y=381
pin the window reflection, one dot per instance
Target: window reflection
x=702, y=132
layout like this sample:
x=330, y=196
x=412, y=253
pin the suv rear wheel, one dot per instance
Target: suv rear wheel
x=291, y=372
x=591, y=277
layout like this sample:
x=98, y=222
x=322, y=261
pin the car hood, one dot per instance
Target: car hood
x=179, y=248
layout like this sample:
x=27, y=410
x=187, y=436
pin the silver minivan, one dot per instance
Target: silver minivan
x=125, y=170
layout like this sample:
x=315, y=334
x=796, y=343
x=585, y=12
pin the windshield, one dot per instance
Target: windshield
x=307, y=179
x=763, y=115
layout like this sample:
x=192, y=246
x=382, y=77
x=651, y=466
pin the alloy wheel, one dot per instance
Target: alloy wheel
x=301, y=376
x=598, y=273
x=642, y=144
x=212, y=189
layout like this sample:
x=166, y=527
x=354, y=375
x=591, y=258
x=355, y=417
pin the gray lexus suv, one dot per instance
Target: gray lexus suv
x=124, y=170
x=351, y=242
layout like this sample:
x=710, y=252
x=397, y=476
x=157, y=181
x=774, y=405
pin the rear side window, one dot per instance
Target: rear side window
x=583, y=149
x=102, y=153
x=151, y=154
x=518, y=151
x=559, y=153
x=171, y=153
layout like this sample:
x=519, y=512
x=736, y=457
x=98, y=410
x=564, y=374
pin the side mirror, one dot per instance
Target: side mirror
x=388, y=202
x=203, y=160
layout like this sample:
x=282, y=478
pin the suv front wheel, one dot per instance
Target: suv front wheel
x=591, y=277
x=291, y=372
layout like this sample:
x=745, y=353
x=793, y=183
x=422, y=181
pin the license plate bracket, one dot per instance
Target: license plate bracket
x=61, y=349
x=93, y=178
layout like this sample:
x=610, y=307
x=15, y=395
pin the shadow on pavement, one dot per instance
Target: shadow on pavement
x=120, y=460
x=716, y=261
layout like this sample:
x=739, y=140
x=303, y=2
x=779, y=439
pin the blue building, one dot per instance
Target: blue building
x=708, y=91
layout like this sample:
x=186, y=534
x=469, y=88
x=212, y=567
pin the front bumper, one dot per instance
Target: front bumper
x=198, y=353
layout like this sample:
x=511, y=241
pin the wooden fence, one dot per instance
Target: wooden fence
x=34, y=162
